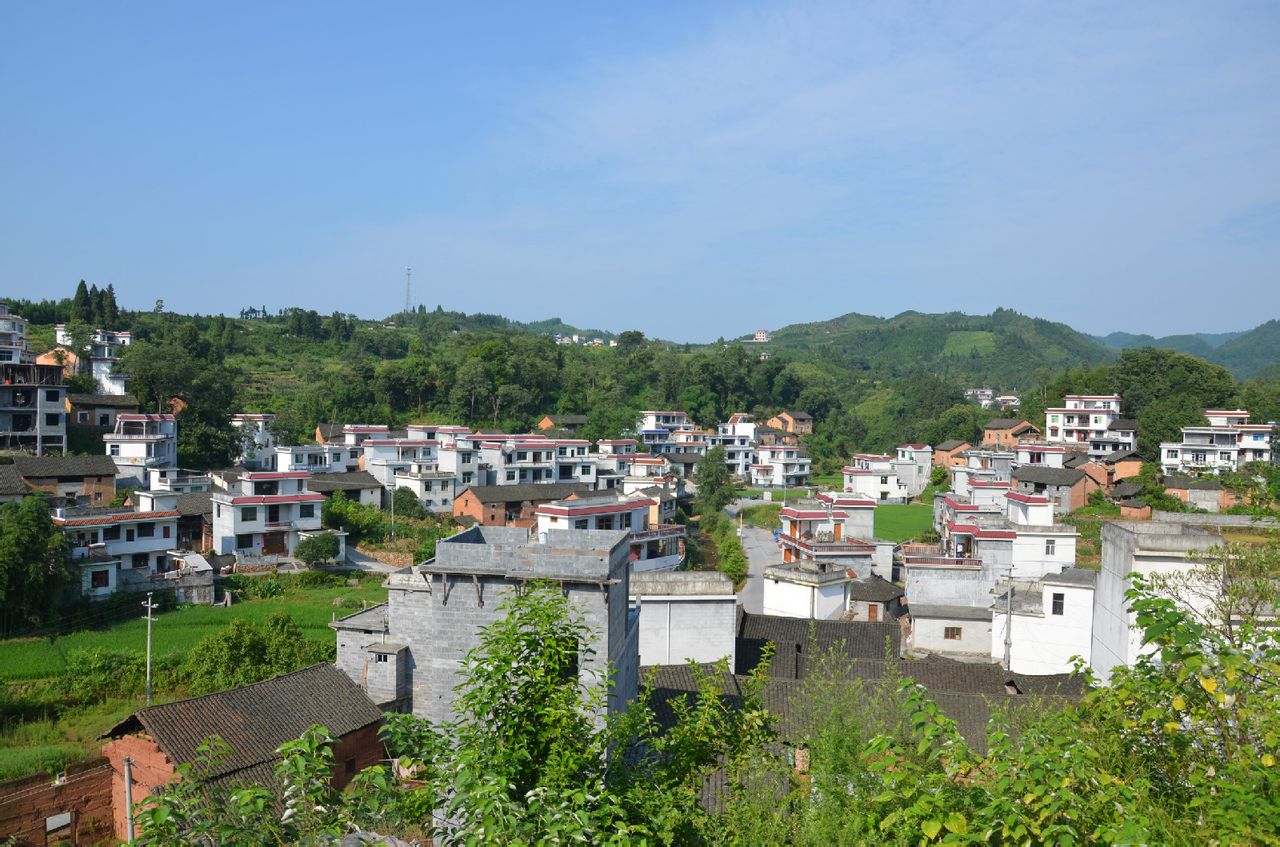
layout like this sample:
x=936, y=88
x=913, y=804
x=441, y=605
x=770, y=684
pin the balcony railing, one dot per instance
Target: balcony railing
x=661, y=531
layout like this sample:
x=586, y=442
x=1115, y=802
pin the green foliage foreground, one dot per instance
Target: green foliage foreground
x=1179, y=750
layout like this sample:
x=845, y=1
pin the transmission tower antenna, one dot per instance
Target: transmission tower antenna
x=408, y=302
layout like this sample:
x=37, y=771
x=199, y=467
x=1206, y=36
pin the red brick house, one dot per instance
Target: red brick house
x=950, y=453
x=255, y=720
x=1005, y=433
x=511, y=505
x=795, y=423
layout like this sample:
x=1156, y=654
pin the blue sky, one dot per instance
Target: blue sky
x=689, y=169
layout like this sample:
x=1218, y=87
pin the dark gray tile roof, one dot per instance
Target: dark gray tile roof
x=935, y=611
x=1120, y=455
x=795, y=639
x=874, y=589
x=194, y=503
x=343, y=481
x=950, y=444
x=1124, y=425
x=255, y=719
x=1125, y=490
x=520, y=493
x=119, y=401
x=11, y=481
x=1002, y=423
x=1048, y=476
x=36, y=467
x=568, y=420
x=682, y=458
x=372, y=619
x=330, y=431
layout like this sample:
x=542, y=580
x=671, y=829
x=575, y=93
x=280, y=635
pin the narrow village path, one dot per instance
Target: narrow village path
x=762, y=551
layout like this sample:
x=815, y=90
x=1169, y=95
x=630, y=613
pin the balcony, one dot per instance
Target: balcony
x=659, y=533
x=821, y=543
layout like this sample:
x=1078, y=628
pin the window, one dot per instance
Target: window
x=586, y=470
x=466, y=478
x=249, y=514
x=307, y=510
x=464, y=458
x=165, y=531
x=52, y=420
x=1171, y=454
x=141, y=560
x=1050, y=545
x=444, y=501
x=111, y=533
x=82, y=417
x=380, y=659
x=269, y=487
x=580, y=523
x=100, y=579
x=1059, y=601
x=128, y=534
x=146, y=530
x=884, y=480
x=952, y=633
x=244, y=542
x=521, y=456
x=51, y=395
x=511, y=476
x=113, y=450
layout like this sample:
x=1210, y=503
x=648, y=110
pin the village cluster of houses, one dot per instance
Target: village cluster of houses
x=582, y=341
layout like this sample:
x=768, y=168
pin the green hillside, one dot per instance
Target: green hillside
x=1004, y=349
x=1252, y=352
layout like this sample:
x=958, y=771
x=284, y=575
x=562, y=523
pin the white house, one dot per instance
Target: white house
x=657, y=430
x=139, y=443
x=780, y=466
x=104, y=348
x=316, y=458
x=1052, y=622
x=265, y=513
x=685, y=616
x=1228, y=441
x=875, y=477
x=257, y=440
x=111, y=545
x=654, y=546
x=738, y=438
x=1087, y=420
x=913, y=466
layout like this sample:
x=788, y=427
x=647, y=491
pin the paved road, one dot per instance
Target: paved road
x=762, y=551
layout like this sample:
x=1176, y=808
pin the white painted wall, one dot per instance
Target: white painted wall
x=679, y=629
x=1044, y=644
x=927, y=637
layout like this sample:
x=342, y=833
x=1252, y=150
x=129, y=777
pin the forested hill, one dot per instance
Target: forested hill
x=1004, y=349
x=1245, y=354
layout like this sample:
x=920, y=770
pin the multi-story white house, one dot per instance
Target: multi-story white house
x=658, y=429
x=32, y=397
x=1052, y=622
x=139, y=443
x=738, y=438
x=316, y=458
x=111, y=545
x=265, y=513
x=950, y=585
x=780, y=466
x=875, y=476
x=1092, y=421
x=13, y=338
x=257, y=440
x=654, y=546
x=984, y=397
x=104, y=348
x=1228, y=441
x=913, y=467
x=830, y=559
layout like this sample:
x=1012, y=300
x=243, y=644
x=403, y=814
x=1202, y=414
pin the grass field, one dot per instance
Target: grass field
x=967, y=342
x=32, y=665
x=894, y=522
x=899, y=522
x=764, y=516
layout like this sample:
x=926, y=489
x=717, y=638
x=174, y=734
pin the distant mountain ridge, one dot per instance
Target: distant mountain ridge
x=1005, y=349
x=1245, y=354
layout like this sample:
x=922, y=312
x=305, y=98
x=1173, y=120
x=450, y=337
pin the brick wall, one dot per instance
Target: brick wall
x=151, y=769
x=26, y=804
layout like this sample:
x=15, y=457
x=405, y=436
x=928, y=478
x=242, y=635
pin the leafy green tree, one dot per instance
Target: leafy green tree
x=715, y=484
x=34, y=559
x=314, y=549
x=244, y=653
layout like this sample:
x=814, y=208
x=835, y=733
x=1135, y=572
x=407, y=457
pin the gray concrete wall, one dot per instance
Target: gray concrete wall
x=927, y=636
x=1211, y=520
x=677, y=630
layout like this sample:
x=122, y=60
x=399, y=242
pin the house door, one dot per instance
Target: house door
x=873, y=612
x=273, y=543
x=273, y=514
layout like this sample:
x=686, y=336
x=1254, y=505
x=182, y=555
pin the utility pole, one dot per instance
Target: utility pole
x=408, y=301
x=149, y=606
x=1008, y=623
x=128, y=797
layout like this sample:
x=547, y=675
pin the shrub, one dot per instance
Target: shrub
x=314, y=549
